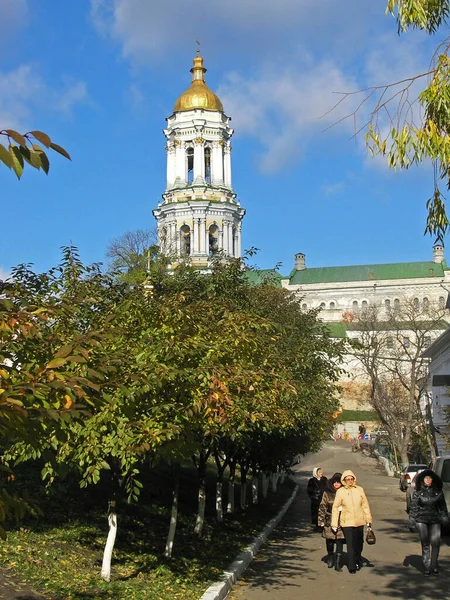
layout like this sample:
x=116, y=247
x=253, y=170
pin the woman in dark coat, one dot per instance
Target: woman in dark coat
x=315, y=488
x=427, y=513
x=324, y=520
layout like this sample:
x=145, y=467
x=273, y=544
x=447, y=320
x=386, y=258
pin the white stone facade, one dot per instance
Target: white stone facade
x=199, y=215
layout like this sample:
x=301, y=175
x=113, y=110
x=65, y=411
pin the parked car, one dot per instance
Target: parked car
x=442, y=468
x=408, y=474
x=378, y=433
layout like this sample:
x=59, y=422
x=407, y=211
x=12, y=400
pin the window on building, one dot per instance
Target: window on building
x=389, y=342
x=190, y=165
x=355, y=305
x=426, y=304
x=416, y=304
x=208, y=165
x=332, y=305
x=364, y=304
x=397, y=306
x=405, y=341
x=387, y=306
x=213, y=234
x=322, y=305
x=185, y=239
x=441, y=302
x=304, y=307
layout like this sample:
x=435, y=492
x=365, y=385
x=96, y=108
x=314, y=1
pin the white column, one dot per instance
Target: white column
x=217, y=164
x=199, y=161
x=170, y=166
x=178, y=238
x=194, y=236
x=202, y=236
x=238, y=241
x=220, y=239
x=230, y=239
x=180, y=163
x=227, y=166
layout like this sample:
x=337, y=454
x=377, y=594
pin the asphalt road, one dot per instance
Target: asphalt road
x=291, y=565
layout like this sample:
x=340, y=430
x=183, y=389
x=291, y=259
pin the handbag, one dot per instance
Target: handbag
x=370, y=536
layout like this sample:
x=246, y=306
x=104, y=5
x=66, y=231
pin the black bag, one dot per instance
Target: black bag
x=370, y=536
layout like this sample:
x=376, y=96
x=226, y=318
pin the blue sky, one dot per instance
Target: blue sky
x=101, y=76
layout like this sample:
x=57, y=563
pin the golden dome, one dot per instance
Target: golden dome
x=198, y=95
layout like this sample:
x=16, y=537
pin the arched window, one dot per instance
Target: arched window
x=208, y=165
x=441, y=302
x=332, y=305
x=185, y=239
x=355, y=305
x=364, y=304
x=397, y=306
x=425, y=304
x=416, y=304
x=190, y=165
x=304, y=307
x=387, y=306
x=213, y=236
x=322, y=305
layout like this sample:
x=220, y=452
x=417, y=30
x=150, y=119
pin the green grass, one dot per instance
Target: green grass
x=60, y=554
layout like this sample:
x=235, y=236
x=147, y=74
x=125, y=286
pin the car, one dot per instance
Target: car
x=408, y=474
x=378, y=433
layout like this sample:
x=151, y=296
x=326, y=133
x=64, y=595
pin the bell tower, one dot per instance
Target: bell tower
x=199, y=214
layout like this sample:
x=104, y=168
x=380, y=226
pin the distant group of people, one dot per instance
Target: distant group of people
x=340, y=509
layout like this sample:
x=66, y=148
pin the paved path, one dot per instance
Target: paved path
x=291, y=565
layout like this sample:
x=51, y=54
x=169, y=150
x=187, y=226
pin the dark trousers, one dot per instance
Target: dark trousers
x=430, y=538
x=339, y=546
x=354, y=538
x=315, y=503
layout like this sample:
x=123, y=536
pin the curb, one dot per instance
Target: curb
x=221, y=589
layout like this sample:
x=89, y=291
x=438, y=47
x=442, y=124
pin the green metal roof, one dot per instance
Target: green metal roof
x=368, y=272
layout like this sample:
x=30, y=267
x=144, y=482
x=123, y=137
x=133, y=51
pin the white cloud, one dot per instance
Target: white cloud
x=297, y=52
x=333, y=189
x=284, y=110
x=13, y=17
x=4, y=274
x=23, y=90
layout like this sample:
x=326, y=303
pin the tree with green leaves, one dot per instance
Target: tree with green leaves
x=24, y=149
x=408, y=128
x=131, y=255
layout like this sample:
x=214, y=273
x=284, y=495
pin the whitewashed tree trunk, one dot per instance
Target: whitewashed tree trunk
x=265, y=485
x=255, y=489
x=173, y=518
x=219, y=503
x=109, y=546
x=231, y=482
x=230, y=504
x=243, y=493
x=274, y=481
x=201, y=511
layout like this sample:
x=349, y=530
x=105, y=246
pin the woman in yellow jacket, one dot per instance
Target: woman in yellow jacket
x=351, y=511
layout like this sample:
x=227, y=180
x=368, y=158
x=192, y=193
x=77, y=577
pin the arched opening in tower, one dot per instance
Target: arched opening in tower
x=208, y=165
x=185, y=239
x=213, y=239
x=190, y=165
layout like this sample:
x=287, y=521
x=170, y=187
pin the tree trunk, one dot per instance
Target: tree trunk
x=265, y=484
x=201, y=494
x=221, y=466
x=244, y=471
x=174, y=511
x=231, y=480
x=109, y=546
x=255, y=489
x=274, y=481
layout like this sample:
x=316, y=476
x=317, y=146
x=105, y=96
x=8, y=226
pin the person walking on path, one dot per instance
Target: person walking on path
x=354, y=513
x=324, y=520
x=428, y=511
x=315, y=488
